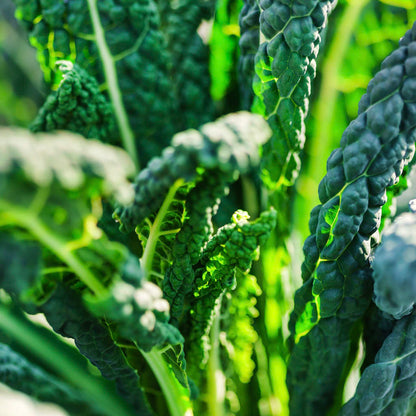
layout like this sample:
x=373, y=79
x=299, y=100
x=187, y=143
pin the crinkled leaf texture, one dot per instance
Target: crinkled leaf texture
x=387, y=386
x=285, y=65
x=175, y=198
x=197, y=169
x=226, y=147
x=337, y=290
x=227, y=254
x=147, y=69
x=78, y=106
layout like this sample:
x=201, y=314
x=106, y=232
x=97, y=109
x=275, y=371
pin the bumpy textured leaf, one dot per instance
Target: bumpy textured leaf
x=68, y=316
x=394, y=287
x=77, y=106
x=18, y=373
x=387, y=386
x=285, y=67
x=228, y=147
x=249, y=42
x=190, y=56
x=203, y=163
x=231, y=250
x=119, y=43
x=237, y=323
x=337, y=289
x=225, y=147
x=201, y=204
x=140, y=313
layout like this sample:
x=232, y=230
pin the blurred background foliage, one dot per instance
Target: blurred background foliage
x=21, y=88
x=360, y=34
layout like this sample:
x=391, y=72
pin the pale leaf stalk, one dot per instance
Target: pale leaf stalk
x=177, y=397
x=110, y=73
x=215, y=377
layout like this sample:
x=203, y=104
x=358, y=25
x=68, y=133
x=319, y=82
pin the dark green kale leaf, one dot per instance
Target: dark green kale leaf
x=120, y=44
x=229, y=252
x=285, y=66
x=201, y=204
x=387, y=386
x=249, y=43
x=208, y=160
x=69, y=317
x=226, y=147
x=176, y=196
x=78, y=106
x=190, y=58
x=20, y=374
x=337, y=290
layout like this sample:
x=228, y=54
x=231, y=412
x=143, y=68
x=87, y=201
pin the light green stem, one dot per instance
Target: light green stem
x=215, y=377
x=44, y=349
x=320, y=144
x=110, y=73
x=177, y=397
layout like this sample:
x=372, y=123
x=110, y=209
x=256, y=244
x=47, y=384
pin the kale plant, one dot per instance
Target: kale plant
x=150, y=213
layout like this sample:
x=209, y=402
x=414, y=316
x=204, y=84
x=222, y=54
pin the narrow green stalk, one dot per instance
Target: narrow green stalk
x=321, y=141
x=155, y=232
x=269, y=405
x=177, y=397
x=26, y=334
x=110, y=73
x=56, y=245
x=215, y=377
